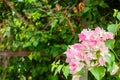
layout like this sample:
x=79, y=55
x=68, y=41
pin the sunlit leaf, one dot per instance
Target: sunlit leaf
x=112, y=28
x=54, y=23
x=110, y=61
x=110, y=44
x=98, y=72
x=30, y=56
x=59, y=68
x=118, y=16
x=66, y=71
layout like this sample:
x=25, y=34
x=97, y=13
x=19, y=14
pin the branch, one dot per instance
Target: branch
x=47, y=25
x=23, y=53
x=70, y=26
x=42, y=10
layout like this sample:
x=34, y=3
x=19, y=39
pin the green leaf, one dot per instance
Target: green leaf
x=103, y=4
x=110, y=43
x=115, y=13
x=10, y=68
x=117, y=28
x=110, y=58
x=59, y=68
x=27, y=44
x=112, y=28
x=36, y=15
x=55, y=72
x=98, y=72
x=54, y=23
x=30, y=56
x=30, y=1
x=66, y=71
x=36, y=55
x=7, y=32
x=51, y=77
x=110, y=62
x=53, y=66
x=118, y=16
x=58, y=62
x=83, y=72
x=35, y=43
x=15, y=46
x=86, y=9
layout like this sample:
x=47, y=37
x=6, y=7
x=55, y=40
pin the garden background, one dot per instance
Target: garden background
x=34, y=34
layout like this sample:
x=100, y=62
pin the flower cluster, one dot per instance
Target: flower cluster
x=90, y=51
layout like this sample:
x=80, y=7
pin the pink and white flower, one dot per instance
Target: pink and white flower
x=90, y=51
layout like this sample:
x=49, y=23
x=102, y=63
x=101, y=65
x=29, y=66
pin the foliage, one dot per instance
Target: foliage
x=46, y=28
x=99, y=69
x=57, y=68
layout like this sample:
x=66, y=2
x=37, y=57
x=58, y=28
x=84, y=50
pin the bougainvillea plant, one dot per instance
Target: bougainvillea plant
x=93, y=53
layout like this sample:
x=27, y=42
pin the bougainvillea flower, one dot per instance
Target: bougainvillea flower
x=90, y=51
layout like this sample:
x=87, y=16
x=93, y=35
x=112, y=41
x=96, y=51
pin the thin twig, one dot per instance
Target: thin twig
x=47, y=25
x=116, y=55
x=70, y=26
x=42, y=10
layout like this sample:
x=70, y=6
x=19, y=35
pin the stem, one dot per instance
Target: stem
x=70, y=26
x=115, y=55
